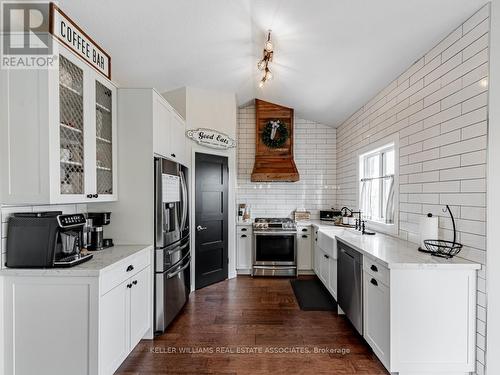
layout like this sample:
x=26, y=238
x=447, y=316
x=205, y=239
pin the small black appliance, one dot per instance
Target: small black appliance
x=45, y=240
x=97, y=221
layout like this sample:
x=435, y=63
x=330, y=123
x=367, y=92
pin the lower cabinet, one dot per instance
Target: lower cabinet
x=75, y=321
x=332, y=276
x=304, y=249
x=124, y=318
x=244, y=248
x=376, y=304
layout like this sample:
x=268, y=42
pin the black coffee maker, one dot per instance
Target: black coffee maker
x=96, y=222
x=45, y=239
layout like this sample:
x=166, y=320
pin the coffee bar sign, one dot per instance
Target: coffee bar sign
x=71, y=35
x=211, y=138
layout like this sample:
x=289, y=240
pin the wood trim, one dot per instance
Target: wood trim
x=53, y=8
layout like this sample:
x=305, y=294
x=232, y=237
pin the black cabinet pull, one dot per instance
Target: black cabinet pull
x=326, y=256
x=374, y=282
x=95, y=196
x=243, y=236
x=130, y=268
x=243, y=229
x=89, y=195
x=172, y=155
x=129, y=286
x=304, y=229
x=304, y=236
x=374, y=268
x=134, y=282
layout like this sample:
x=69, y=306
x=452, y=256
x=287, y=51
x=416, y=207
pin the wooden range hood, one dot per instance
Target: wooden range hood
x=273, y=164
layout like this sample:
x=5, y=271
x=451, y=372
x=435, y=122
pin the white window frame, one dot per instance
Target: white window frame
x=375, y=147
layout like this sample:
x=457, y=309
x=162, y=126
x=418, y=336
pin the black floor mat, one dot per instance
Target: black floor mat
x=312, y=295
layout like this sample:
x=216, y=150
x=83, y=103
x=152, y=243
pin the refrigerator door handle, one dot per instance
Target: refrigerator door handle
x=184, y=201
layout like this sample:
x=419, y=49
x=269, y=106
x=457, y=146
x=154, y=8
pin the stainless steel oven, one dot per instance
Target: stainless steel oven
x=275, y=248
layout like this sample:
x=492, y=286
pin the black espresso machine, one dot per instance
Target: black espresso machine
x=45, y=240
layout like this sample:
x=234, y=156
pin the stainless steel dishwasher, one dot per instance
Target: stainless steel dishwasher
x=350, y=284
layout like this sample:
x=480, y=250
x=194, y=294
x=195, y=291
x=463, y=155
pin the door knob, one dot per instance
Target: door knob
x=199, y=228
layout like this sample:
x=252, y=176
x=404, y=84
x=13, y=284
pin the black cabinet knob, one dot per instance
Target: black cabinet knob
x=243, y=229
x=172, y=155
x=374, y=268
x=95, y=196
x=243, y=236
x=304, y=229
x=326, y=256
x=304, y=236
x=134, y=282
x=130, y=268
x=374, y=282
x=129, y=286
x=89, y=195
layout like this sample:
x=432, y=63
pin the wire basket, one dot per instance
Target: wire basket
x=442, y=248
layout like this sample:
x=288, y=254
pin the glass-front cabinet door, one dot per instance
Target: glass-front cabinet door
x=104, y=137
x=71, y=128
x=86, y=133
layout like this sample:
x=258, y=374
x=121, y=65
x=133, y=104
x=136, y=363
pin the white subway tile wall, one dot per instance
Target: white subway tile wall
x=315, y=157
x=439, y=108
x=6, y=211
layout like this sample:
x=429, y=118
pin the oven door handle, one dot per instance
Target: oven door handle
x=287, y=233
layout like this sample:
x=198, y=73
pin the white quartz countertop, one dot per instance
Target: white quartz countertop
x=102, y=260
x=391, y=251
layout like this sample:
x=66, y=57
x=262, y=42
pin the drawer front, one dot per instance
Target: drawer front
x=244, y=229
x=124, y=269
x=327, y=243
x=304, y=230
x=376, y=270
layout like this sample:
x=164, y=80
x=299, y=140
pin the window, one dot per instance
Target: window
x=377, y=185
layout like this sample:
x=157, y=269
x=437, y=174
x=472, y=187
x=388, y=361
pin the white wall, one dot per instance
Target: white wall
x=493, y=201
x=213, y=110
x=315, y=158
x=439, y=109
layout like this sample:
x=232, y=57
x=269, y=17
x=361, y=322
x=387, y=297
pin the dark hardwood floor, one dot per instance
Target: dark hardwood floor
x=253, y=315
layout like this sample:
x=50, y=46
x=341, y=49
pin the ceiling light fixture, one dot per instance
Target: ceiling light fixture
x=267, y=57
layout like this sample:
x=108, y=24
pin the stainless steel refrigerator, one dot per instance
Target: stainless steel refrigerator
x=172, y=247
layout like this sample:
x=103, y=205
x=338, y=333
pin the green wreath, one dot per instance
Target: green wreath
x=280, y=137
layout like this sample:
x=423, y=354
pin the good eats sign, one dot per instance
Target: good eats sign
x=211, y=138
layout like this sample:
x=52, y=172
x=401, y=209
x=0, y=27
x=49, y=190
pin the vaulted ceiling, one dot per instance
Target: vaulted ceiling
x=331, y=56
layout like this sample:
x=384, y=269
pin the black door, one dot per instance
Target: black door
x=211, y=259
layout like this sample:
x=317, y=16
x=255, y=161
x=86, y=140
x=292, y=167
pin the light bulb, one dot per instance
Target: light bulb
x=268, y=46
x=261, y=65
x=268, y=75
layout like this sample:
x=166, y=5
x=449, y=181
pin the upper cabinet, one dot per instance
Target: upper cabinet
x=168, y=131
x=58, y=134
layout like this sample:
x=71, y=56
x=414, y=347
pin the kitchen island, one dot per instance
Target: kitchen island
x=80, y=320
x=418, y=310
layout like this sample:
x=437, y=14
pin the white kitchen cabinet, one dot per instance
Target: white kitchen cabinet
x=316, y=251
x=114, y=332
x=169, y=139
x=332, y=276
x=304, y=250
x=244, y=249
x=376, y=305
x=140, y=306
x=324, y=268
x=95, y=315
x=125, y=318
x=178, y=136
x=58, y=140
